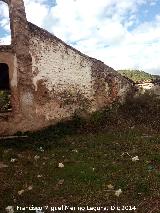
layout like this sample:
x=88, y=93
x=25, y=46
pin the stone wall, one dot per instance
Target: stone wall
x=65, y=80
x=50, y=80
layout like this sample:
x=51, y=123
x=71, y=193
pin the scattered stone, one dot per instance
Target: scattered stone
x=13, y=160
x=41, y=149
x=146, y=136
x=135, y=158
x=75, y=150
x=30, y=188
x=126, y=153
x=60, y=165
x=118, y=192
x=39, y=176
x=60, y=182
x=132, y=127
x=21, y=192
x=36, y=157
x=9, y=209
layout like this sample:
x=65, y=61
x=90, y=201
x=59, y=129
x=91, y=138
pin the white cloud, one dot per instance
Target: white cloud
x=5, y=40
x=4, y=23
x=36, y=11
x=4, y=10
x=100, y=29
x=109, y=30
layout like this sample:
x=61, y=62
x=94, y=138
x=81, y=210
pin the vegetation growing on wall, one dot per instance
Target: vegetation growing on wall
x=5, y=102
x=142, y=111
x=138, y=75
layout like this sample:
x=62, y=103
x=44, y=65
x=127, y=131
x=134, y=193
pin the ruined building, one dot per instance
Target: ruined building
x=49, y=80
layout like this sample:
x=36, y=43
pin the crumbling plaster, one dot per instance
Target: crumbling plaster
x=50, y=80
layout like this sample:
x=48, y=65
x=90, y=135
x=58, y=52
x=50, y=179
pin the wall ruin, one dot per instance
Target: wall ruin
x=51, y=80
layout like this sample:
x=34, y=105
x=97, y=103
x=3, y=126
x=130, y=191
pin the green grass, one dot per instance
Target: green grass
x=78, y=184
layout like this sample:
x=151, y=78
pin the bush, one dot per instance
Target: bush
x=143, y=109
x=5, y=103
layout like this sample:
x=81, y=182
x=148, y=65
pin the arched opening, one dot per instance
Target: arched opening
x=5, y=92
x=5, y=31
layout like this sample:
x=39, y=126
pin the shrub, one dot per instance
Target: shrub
x=5, y=103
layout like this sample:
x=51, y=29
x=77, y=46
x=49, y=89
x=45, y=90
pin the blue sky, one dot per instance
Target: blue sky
x=124, y=34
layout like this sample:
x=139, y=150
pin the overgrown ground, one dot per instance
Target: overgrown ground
x=98, y=158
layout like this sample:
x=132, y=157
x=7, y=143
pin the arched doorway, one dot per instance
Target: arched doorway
x=5, y=92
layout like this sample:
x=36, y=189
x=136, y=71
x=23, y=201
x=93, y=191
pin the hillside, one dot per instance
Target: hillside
x=137, y=75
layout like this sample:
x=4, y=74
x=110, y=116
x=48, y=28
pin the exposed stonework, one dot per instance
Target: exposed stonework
x=51, y=80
